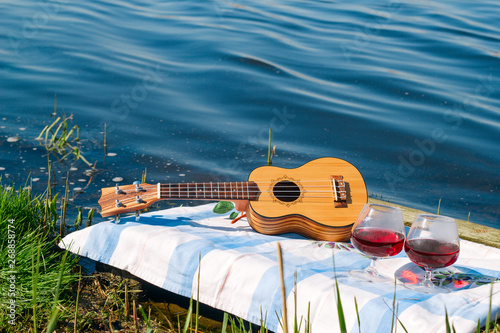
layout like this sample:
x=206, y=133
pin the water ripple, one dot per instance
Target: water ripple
x=192, y=88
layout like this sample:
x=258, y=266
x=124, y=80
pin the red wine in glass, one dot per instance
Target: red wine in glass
x=377, y=233
x=432, y=253
x=432, y=243
x=378, y=242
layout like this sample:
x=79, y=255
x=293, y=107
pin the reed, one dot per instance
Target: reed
x=105, y=142
x=78, y=219
x=61, y=141
x=340, y=310
x=64, y=207
x=77, y=301
x=90, y=217
x=283, y=291
x=270, y=152
x=40, y=273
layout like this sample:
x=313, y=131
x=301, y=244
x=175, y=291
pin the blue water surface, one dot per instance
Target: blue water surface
x=407, y=91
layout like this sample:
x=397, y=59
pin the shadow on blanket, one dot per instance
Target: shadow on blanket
x=459, y=279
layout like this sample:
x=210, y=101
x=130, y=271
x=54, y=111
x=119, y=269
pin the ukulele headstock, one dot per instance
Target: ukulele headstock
x=127, y=198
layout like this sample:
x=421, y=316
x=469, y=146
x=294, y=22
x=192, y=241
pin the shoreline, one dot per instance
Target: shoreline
x=470, y=231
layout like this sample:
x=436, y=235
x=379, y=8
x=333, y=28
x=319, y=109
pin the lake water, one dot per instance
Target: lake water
x=407, y=91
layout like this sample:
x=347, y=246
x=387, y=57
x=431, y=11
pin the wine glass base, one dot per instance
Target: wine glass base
x=369, y=276
x=421, y=288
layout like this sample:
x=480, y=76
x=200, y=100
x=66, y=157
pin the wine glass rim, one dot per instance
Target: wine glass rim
x=436, y=217
x=381, y=207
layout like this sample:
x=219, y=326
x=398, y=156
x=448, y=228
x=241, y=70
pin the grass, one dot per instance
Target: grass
x=39, y=273
x=61, y=141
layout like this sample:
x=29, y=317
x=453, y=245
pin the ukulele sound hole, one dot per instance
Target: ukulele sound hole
x=286, y=191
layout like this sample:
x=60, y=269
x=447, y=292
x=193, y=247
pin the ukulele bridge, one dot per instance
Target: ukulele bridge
x=339, y=191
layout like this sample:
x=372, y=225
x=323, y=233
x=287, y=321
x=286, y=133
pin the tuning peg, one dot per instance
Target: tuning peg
x=118, y=189
x=137, y=215
x=137, y=184
x=117, y=218
x=138, y=199
x=118, y=203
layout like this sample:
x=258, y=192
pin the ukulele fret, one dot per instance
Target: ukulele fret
x=209, y=190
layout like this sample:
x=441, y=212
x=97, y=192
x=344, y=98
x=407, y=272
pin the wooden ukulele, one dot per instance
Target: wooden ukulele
x=319, y=200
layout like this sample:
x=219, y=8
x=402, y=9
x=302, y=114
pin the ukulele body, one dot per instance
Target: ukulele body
x=303, y=200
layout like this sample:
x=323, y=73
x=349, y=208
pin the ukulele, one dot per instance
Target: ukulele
x=319, y=200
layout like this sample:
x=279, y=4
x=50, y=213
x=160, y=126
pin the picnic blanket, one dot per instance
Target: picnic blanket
x=238, y=272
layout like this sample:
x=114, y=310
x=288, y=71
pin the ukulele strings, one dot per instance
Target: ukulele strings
x=250, y=182
x=230, y=193
x=248, y=191
x=270, y=199
x=215, y=192
x=218, y=185
x=128, y=201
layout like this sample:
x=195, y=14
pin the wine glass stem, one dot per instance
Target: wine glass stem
x=428, y=278
x=371, y=269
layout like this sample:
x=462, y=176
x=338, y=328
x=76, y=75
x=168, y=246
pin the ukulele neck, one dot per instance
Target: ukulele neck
x=209, y=191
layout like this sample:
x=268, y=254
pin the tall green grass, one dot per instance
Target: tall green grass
x=30, y=259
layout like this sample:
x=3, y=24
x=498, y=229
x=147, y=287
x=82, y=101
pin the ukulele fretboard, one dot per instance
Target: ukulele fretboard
x=210, y=190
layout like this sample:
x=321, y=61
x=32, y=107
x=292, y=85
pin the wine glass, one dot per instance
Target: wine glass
x=378, y=233
x=432, y=243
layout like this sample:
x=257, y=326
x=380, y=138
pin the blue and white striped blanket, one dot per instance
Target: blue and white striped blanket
x=239, y=273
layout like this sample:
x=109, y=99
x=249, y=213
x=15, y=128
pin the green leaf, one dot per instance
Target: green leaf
x=357, y=314
x=223, y=207
x=146, y=319
x=79, y=218
x=449, y=327
x=91, y=214
x=269, y=154
x=53, y=205
x=340, y=310
x=233, y=215
x=188, y=316
x=224, y=323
